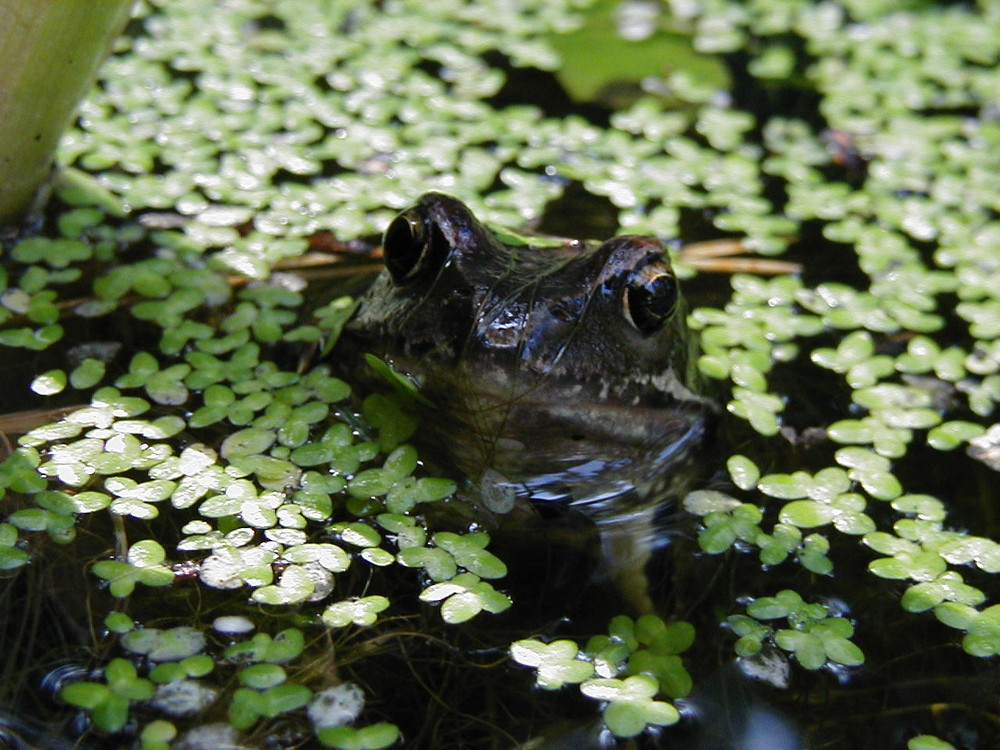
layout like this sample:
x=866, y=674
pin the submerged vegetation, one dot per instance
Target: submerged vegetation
x=231, y=546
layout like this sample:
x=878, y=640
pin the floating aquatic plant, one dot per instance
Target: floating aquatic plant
x=108, y=702
x=813, y=636
x=235, y=132
x=259, y=498
x=625, y=670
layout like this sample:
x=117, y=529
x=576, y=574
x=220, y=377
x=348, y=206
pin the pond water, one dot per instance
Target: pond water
x=215, y=539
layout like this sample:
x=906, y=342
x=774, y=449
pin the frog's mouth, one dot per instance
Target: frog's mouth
x=600, y=422
x=633, y=411
x=560, y=448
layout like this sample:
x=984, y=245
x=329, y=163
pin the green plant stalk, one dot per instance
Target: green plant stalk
x=51, y=53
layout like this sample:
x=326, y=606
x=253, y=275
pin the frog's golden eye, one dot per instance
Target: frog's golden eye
x=407, y=246
x=650, y=297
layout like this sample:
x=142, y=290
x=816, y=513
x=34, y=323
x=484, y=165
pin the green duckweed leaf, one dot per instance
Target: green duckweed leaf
x=948, y=586
x=786, y=486
x=247, y=442
x=982, y=627
x=49, y=383
x=759, y=409
x=703, y=502
x=363, y=611
x=357, y=534
x=405, y=528
x=86, y=695
x=807, y=648
x=950, y=435
x=142, y=566
x=372, y=737
x=928, y=742
x=465, y=596
x=743, y=471
x=285, y=698
x=262, y=676
x=408, y=493
x=281, y=649
x=674, y=680
x=556, y=663
x=170, y=645
x=377, y=556
x=109, y=704
x=437, y=563
x=722, y=529
x=27, y=338
x=630, y=704
x=386, y=415
x=924, y=507
x=469, y=551
x=330, y=556
x=294, y=585
x=198, y=665
x=916, y=566
x=11, y=556
x=157, y=735
x=246, y=708
x=812, y=555
x=965, y=549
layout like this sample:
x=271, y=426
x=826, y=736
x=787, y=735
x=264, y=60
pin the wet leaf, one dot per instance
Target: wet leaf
x=469, y=551
x=918, y=566
x=262, y=676
x=372, y=737
x=556, y=663
x=170, y=645
x=743, y=471
x=357, y=534
x=630, y=704
x=363, y=611
x=465, y=596
x=247, y=442
x=49, y=383
x=437, y=563
x=928, y=742
x=294, y=585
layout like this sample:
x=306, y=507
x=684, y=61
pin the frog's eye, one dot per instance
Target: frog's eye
x=650, y=297
x=408, y=246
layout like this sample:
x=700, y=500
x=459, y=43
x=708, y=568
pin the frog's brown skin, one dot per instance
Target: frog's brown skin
x=562, y=375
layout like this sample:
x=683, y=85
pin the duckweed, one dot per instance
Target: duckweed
x=928, y=742
x=189, y=667
x=11, y=556
x=157, y=735
x=363, y=611
x=557, y=663
x=372, y=737
x=245, y=152
x=107, y=703
x=141, y=565
x=631, y=707
x=814, y=637
x=175, y=644
x=239, y=491
x=625, y=670
x=465, y=596
x=250, y=705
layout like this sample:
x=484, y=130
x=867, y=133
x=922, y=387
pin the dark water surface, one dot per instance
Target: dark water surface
x=456, y=688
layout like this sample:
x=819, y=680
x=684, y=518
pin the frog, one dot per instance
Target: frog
x=548, y=374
